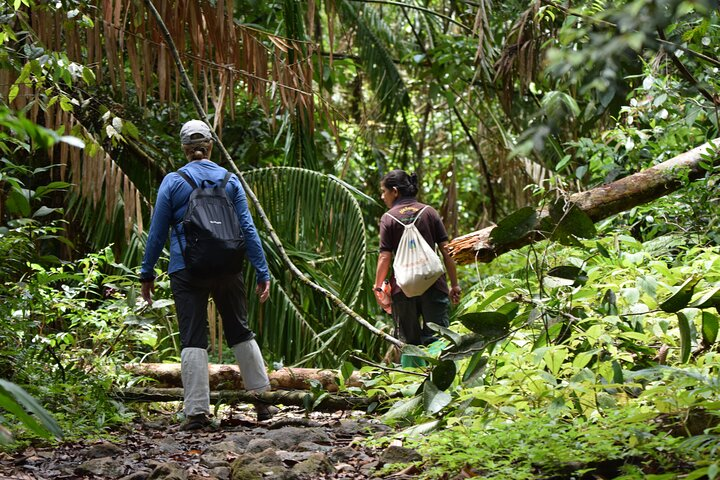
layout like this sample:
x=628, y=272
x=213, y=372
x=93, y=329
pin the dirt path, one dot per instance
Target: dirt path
x=290, y=446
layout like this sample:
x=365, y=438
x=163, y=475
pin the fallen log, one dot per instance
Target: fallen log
x=598, y=203
x=227, y=377
x=328, y=403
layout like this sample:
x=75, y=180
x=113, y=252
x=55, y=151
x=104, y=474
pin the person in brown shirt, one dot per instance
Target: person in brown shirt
x=398, y=193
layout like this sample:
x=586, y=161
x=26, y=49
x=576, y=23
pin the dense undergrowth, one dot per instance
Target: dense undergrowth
x=599, y=362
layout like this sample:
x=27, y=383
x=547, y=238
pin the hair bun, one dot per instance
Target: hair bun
x=413, y=179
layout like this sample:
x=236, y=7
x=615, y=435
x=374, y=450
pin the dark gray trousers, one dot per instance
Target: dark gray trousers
x=191, y=296
x=433, y=306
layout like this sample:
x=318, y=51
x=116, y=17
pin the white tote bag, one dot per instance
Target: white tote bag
x=416, y=264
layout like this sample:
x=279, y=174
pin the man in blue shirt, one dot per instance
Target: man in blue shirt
x=191, y=293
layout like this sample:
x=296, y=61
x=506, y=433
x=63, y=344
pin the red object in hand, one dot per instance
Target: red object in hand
x=384, y=297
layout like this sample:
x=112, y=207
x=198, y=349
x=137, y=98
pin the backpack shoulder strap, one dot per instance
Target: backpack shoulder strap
x=187, y=178
x=225, y=180
x=395, y=218
x=419, y=213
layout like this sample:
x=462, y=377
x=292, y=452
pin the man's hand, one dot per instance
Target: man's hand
x=148, y=288
x=263, y=290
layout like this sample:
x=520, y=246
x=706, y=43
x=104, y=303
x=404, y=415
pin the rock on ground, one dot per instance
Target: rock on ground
x=289, y=447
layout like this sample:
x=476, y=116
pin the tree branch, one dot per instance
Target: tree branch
x=422, y=9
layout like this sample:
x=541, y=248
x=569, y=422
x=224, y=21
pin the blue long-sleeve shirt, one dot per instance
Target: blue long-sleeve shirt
x=170, y=206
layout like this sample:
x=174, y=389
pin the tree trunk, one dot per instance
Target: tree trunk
x=329, y=403
x=227, y=377
x=598, y=203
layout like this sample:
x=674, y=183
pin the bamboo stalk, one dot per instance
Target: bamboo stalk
x=273, y=235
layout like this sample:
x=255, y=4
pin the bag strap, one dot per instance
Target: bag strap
x=411, y=223
x=188, y=179
x=225, y=180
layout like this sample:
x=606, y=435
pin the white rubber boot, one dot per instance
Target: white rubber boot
x=254, y=375
x=252, y=366
x=195, y=380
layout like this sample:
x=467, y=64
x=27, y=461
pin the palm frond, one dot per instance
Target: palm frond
x=323, y=232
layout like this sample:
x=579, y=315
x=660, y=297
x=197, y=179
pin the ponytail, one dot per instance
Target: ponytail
x=407, y=185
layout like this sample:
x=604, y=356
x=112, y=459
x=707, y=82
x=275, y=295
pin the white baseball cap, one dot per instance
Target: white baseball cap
x=195, y=131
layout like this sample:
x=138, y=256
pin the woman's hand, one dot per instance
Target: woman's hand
x=455, y=293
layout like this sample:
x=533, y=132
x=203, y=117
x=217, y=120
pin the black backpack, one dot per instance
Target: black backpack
x=214, y=243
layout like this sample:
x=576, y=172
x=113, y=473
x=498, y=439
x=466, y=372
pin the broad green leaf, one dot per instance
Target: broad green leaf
x=618, y=377
x=9, y=404
x=320, y=399
x=130, y=129
x=17, y=203
x=602, y=250
x=403, y=408
x=514, y=227
x=434, y=399
x=609, y=303
x=711, y=298
x=88, y=76
x=445, y=332
x=710, y=327
x=14, y=90
x=162, y=303
x=648, y=285
x=554, y=358
x=494, y=296
x=510, y=310
x=556, y=282
x=685, y=340
x=48, y=424
x=415, y=351
x=308, y=401
x=492, y=325
x=44, y=211
x=681, y=298
x=346, y=370
x=421, y=429
x=630, y=295
x=66, y=105
x=475, y=367
x=569, y=272
x=50, y=187
x=583, y=358
x=468, y=345
x=567, y=223
x=443, y=374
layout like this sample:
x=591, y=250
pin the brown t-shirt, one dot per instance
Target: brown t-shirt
x=429, y=224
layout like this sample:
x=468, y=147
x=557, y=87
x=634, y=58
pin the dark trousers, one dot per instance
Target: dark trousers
x=433, y=306
x=191, y=300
